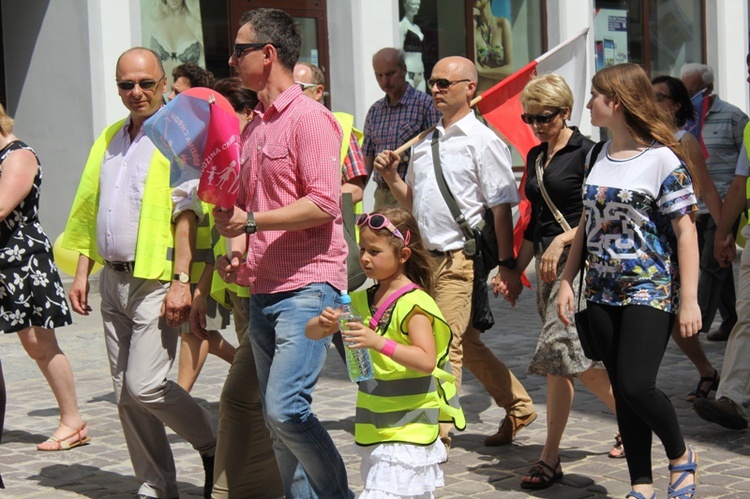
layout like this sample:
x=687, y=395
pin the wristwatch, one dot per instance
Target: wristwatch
x=508, y=263
x=250, y=226
x=183, y=277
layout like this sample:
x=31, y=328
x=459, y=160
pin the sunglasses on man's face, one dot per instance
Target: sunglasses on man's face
x=542, y=119
x=443, y=83
x=241, y=48
x=129, y=85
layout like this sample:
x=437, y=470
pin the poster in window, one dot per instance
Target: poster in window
x=173, y=29
x=493, y=52
x=611, y=37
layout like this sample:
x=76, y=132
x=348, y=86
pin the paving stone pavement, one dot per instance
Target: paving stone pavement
x=102, y=469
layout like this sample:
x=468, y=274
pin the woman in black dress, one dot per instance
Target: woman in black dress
x=32, y=298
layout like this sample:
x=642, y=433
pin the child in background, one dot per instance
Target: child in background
x=399, y=410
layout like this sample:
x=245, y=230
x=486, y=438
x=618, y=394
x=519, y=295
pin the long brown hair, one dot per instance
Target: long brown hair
x=418, y=268
x=644, y=118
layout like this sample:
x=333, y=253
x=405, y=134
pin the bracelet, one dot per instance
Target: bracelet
x=389, y=348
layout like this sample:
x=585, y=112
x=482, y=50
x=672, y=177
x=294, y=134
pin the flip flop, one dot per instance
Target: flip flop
x=63, y=444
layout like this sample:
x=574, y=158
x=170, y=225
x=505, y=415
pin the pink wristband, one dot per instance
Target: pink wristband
x=389, y=348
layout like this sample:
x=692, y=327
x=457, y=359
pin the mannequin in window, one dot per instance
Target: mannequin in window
x=411, y=42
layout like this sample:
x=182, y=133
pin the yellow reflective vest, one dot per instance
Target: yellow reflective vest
x=746, y=143
x=154, y=253
x=399, y=404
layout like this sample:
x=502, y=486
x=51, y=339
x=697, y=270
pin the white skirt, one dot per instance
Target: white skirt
x=397, y=470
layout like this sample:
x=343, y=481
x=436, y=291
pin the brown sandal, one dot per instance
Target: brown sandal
x=618, y=450
x=63, y=444
x=545, y=474
x=699, y=392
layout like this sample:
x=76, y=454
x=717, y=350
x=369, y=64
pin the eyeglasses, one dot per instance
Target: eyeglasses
x=376, y=221
x=305, y=86
x=660, y=97
x=542, y=119
x=443, y=83
x=128, y=85
x=240, y=48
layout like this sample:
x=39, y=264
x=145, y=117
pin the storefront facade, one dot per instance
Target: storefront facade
x=59, y=57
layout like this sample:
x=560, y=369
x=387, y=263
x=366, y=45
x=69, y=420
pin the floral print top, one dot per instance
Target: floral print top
x=631, y=247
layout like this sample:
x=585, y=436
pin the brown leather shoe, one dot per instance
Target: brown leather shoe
x=722, y=411
x=509, y=427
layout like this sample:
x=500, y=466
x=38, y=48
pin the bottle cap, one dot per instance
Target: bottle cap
x=345, y=298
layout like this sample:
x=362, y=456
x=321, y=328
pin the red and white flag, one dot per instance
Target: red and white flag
x=501, y=105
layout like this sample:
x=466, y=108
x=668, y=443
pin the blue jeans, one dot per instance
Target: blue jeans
x=288, y=367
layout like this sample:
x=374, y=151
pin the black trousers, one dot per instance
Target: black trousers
x=632, y=340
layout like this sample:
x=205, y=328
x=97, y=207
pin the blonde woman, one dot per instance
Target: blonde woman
x=547, y=102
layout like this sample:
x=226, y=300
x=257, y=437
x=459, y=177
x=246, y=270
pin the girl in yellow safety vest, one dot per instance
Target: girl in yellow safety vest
x=399, y=410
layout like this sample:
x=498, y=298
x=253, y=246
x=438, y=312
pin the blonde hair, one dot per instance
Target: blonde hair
x=6, y=122
x=547, y=90
x=644, y=118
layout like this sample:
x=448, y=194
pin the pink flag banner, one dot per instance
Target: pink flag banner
x=198, y=132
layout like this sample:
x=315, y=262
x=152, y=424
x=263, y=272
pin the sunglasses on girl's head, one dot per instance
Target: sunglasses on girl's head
x=128, y=85
x=543, y=119
x=376, y=221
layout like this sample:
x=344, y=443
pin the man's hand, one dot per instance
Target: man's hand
x=79, y=295
x=508, y=283
x=230, y=223
x=725, y=251
x=176, y=306
x=198, y=316
x=228, y=267
x=386, y=164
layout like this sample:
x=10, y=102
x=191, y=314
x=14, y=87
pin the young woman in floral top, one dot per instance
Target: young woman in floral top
x=642, y=252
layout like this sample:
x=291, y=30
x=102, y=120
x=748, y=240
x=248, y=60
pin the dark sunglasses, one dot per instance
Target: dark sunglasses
x=660, y=97
x=128, y=85
x=443, y=83
x=377, y=221
x=543, y=119
x=240, y=48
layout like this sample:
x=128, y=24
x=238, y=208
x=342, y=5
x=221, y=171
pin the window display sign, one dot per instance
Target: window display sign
x=610, y=37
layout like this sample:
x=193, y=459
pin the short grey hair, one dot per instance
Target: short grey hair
x=707, y=74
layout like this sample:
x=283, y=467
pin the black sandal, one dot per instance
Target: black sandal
x=699, y=392
x=545, y=474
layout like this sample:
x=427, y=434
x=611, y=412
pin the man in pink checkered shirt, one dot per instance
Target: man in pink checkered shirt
x=288, y=209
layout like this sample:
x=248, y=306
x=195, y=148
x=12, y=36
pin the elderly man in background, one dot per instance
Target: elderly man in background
x=394, y=119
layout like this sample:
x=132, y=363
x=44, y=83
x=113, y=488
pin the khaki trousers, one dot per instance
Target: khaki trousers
x=735, y=375
x=245, y=465
x=454, y=277
x=141, y=350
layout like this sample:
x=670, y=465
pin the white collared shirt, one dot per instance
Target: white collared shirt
x=478, y=170
x=121, y=186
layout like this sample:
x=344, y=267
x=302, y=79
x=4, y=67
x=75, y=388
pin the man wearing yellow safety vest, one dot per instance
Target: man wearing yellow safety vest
x=126, y=216
x=730, y=408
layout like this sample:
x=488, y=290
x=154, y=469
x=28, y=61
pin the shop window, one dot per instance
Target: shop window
x=660, y=35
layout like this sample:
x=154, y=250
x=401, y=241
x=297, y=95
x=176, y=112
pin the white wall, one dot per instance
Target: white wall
x=727, y=45
x=49, y=94
x=566, y=18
